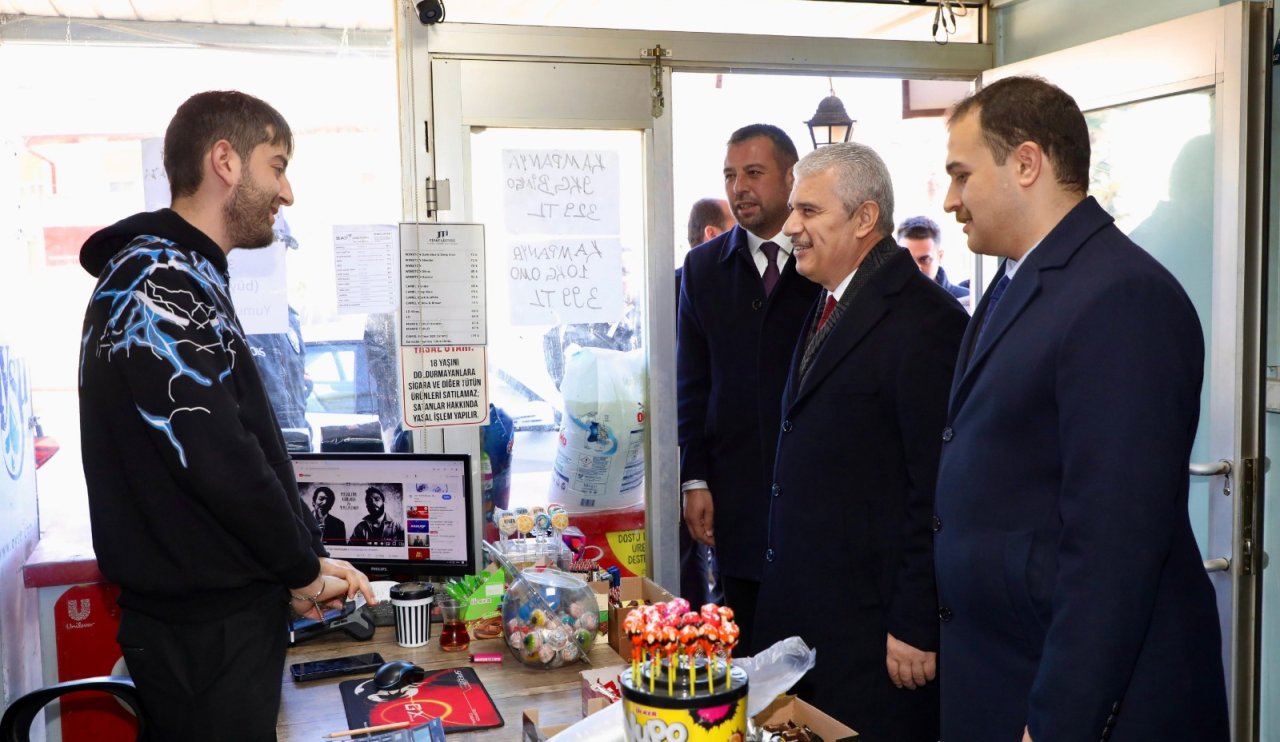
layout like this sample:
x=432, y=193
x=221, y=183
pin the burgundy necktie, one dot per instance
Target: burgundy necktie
x=827, y=309
x=770, y=274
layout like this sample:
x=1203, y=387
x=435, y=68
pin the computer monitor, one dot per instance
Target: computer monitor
x=393, y=516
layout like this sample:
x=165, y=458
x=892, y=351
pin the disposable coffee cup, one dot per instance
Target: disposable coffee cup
x=412, y=601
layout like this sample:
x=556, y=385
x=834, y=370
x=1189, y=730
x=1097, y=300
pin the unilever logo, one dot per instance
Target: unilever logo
x=78, y=613
x=13, y=404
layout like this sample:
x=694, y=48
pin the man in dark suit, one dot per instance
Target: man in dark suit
x=849, y=560
x=735, y=338
x=1074, y=601
x=708, y=217
x=920, y=236
x=699, y=575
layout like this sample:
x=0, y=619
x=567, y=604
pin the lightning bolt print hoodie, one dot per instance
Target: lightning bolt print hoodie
x=192, y=499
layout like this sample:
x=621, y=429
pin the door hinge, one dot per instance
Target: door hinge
x=1248, y=482
x=437, y=192
x=656, y=94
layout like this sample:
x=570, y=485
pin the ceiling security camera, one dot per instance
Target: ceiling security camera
x=430, y=11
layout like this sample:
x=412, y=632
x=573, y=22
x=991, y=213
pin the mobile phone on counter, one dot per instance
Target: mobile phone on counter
x=350, y=665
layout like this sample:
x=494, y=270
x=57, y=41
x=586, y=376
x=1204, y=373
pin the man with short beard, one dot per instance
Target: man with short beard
x=193, y=503
x=742, y=308
x=377, y=528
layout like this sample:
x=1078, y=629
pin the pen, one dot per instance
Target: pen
x=368, y=730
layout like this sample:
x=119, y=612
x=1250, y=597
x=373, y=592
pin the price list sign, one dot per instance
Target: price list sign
x=564, y=258
x=442, y=299
x=364, y=267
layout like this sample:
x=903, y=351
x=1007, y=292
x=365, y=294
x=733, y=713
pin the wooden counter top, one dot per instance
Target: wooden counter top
x=310, y=710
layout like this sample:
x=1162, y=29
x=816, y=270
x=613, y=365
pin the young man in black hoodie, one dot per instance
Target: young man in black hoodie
x=193, y=503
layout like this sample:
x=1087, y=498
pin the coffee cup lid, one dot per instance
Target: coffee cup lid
x=413, y=591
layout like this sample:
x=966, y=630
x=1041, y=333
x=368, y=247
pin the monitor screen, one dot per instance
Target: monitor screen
x=394, y=516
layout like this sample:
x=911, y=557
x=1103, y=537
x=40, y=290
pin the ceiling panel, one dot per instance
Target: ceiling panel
x=374, y=15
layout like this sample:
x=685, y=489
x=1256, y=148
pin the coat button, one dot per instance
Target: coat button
x=776, y=489
x=948, y=434
x=757, y=303
x=937, y=524
x=944, y=614
x=786, y=426
x=768, y=555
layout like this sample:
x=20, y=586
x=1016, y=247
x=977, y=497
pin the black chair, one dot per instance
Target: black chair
x=15, y=725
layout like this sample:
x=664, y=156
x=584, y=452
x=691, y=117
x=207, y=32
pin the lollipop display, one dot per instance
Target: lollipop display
x=682, y=671
x=671, y=635
x=532, y=537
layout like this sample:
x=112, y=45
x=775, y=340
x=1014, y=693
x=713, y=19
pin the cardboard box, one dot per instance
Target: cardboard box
x=532, y=731
x=632, y=588
x=790, y=707
x=599, y=676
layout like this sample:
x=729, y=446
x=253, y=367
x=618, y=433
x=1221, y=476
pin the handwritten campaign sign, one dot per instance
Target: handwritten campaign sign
x=561, y=191
x=565, y=281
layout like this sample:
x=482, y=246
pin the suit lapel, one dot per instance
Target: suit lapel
x=1053, y=253
x=737, y=243
x=1024, y=287
x=791, y=389
x=863, y=313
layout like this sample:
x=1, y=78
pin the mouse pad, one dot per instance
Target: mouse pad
x=454, y=696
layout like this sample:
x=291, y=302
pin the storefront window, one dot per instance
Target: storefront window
x=82, y=124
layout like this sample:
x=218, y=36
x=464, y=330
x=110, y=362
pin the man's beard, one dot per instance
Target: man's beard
x=248, y=216
x=752, y=224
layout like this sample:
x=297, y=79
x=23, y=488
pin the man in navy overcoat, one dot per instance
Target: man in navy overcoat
x=849, y=563
x=735, y=339
x=1074, y=603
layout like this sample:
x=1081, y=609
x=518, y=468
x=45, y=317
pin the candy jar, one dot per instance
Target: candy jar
x=549, y=618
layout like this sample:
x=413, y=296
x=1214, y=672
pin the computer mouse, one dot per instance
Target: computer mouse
x=397, y=674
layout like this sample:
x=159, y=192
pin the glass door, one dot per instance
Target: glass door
x=558, y=161
x=1172, y=138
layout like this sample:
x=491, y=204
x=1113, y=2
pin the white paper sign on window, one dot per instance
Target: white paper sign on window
x=259, y=289
x=444, y=385
x=364, y=265
x=560, y=191
x=565, y=281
